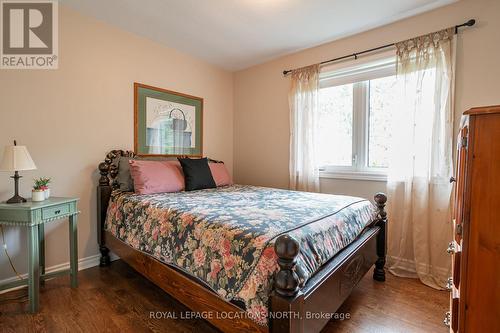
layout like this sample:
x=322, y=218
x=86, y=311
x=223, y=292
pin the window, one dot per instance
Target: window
x=354, y=123
x=335, y=126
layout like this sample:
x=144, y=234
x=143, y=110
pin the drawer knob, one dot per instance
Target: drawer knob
x=451, y=248
x=449, y=283
x=447, y=319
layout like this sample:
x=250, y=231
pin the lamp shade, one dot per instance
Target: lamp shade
x=16, y=158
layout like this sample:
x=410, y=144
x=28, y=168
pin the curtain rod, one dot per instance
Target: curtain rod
x=469, y=23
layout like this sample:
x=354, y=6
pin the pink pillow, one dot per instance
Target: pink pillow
x=220, y=174
x=156, y=176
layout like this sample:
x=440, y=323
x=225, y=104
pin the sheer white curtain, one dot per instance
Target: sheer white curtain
x=422, y=160
x=303, y=100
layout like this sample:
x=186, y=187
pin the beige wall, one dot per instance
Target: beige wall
x=261, y=123
x=70, y=117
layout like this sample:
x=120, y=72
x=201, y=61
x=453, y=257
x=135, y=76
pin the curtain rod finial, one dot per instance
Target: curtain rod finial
x=470, y=22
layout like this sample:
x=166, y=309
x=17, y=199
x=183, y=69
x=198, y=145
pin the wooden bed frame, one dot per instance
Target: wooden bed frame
x=292, y=308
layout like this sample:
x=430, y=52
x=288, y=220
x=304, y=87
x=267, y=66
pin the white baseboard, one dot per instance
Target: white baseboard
x=83, y=263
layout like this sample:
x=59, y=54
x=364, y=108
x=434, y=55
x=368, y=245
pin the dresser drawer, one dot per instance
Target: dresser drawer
x=454, y=302
x=454, y=310
x=55, y=211
x=457, y=230
x=455, y=267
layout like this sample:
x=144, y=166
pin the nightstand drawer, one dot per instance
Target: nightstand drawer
x=55, y=211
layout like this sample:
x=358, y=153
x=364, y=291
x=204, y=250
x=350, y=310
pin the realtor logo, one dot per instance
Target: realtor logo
x=29, y=34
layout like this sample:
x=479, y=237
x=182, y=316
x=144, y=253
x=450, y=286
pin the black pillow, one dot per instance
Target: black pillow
x=197, y=174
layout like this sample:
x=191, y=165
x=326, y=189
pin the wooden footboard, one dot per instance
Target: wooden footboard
x=293, y=308
x=313, y=305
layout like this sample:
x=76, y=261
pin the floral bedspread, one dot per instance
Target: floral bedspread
x=225, y=236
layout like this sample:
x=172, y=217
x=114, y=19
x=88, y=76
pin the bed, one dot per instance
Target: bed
x=243, y=257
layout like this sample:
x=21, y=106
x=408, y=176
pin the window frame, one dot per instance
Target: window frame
x=360, y=76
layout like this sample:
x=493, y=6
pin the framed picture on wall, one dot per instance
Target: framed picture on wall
x=167, y=123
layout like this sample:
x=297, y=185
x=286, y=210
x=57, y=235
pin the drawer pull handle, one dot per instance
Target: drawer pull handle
x=449, y=283
x=451, y=248
x=447, y=319
x=57, y=211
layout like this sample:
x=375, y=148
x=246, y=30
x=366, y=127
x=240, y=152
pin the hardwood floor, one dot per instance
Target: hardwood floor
x=117, y=299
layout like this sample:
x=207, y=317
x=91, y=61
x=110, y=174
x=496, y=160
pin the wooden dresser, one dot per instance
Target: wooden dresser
x=475, y=250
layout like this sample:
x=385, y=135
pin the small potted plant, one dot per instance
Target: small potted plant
x=41, y=189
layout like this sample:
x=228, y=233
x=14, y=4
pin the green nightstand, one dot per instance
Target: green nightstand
x=34, y=215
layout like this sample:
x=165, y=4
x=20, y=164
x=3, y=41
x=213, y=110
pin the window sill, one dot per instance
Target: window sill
x=371, y=176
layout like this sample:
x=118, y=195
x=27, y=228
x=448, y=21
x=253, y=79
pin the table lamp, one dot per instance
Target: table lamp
x=16, y=158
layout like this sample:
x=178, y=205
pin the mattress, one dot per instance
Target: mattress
x=224, y=237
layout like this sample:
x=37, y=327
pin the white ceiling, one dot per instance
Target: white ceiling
x=236, y=34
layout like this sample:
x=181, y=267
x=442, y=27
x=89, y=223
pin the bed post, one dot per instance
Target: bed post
x=286, y=297
x=379, y=272
x=286, y=282
x=103, y=195
x=107, y=182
